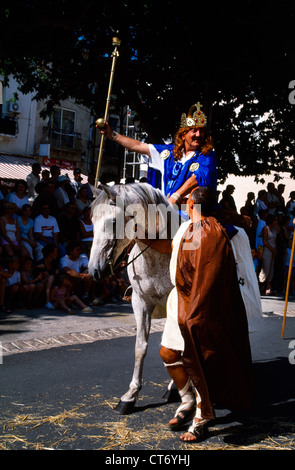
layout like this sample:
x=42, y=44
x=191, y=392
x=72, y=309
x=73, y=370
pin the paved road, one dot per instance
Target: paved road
x=62, y=376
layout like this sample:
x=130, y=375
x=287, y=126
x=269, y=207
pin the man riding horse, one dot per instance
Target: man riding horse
x=189, y=163
x=184, y=165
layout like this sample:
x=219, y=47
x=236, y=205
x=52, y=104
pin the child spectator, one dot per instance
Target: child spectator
x=46, y=231
x=62, y=298
x=13, y=283
x=48, y=267
x=76, y=266
x=32, y=285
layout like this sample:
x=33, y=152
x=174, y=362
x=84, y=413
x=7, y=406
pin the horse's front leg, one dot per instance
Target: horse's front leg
x=143, y=315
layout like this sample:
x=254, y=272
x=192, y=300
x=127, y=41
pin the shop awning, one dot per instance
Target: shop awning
x=18, y=167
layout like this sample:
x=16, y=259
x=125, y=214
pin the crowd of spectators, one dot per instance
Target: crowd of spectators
x=46, y=235
x=270, y=235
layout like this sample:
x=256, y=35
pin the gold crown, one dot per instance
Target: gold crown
x=196, y=119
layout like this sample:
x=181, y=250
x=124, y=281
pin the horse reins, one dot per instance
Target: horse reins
x=114, y=268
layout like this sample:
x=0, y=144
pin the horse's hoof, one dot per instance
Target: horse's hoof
x=125, y=407
x=171, y=395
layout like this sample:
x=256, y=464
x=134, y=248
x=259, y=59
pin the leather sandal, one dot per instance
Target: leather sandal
x=183, y=417
x=198, y=430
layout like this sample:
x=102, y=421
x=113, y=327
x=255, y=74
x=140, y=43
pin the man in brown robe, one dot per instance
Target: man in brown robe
x=212, y=320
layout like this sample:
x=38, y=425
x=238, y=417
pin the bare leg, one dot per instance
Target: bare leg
x=49, y=284
x=76, y=299
x=172, y=360
x=61, y=303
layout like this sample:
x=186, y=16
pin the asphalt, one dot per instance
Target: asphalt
x=39, y=357
x=31, y=330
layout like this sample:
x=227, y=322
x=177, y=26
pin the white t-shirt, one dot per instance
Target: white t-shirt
x=61, y=197
x=13, y=279
x=78, y=265
x=12, y=197
x=32, y=181
x=45, y=226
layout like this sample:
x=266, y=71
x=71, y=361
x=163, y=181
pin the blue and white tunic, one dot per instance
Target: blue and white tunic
x=176, y=172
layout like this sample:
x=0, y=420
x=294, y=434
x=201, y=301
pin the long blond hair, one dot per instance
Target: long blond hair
x=179, y=143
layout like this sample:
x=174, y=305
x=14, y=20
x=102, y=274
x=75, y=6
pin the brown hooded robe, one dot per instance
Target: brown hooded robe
x=213, y=321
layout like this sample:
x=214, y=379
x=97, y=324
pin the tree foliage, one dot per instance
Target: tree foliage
x=237, y=58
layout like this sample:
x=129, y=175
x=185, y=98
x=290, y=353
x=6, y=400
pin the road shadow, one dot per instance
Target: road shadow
x=272, y=415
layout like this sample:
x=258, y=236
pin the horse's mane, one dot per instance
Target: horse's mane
x=142, y=191
x=130, y=194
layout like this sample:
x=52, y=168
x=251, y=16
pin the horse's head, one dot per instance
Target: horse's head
x=107, y=215
x=121, y=214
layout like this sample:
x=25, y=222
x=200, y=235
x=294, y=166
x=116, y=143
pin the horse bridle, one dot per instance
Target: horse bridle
x=113, y=268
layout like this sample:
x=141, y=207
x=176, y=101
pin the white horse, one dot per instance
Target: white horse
x=121, y=214
x=132, y=212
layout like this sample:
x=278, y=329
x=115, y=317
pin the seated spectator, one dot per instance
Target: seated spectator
x=69, y=225
x=26, y=226
x=61, y=193
x=13, y=283
x=32, y=285
x=19, y=196
x=46, y=231
x=10, y=232
x=82, y=199
x=45, y=191
x=76, y=266
x=76, y=183
x=86, y=230
x=48, y=268
x=62, y=297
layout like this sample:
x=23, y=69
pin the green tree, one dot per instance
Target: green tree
x=237, y=58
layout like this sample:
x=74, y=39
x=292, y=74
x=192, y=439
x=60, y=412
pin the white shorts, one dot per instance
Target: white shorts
x=172, y=337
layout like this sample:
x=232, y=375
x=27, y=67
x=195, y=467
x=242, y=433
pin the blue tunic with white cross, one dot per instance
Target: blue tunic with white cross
x=176, y=172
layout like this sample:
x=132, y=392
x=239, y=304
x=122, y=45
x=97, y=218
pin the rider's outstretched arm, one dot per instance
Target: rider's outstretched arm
x=131, y=144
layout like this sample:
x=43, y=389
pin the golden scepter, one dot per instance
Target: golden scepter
x=100, y=122
x=288, y=283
